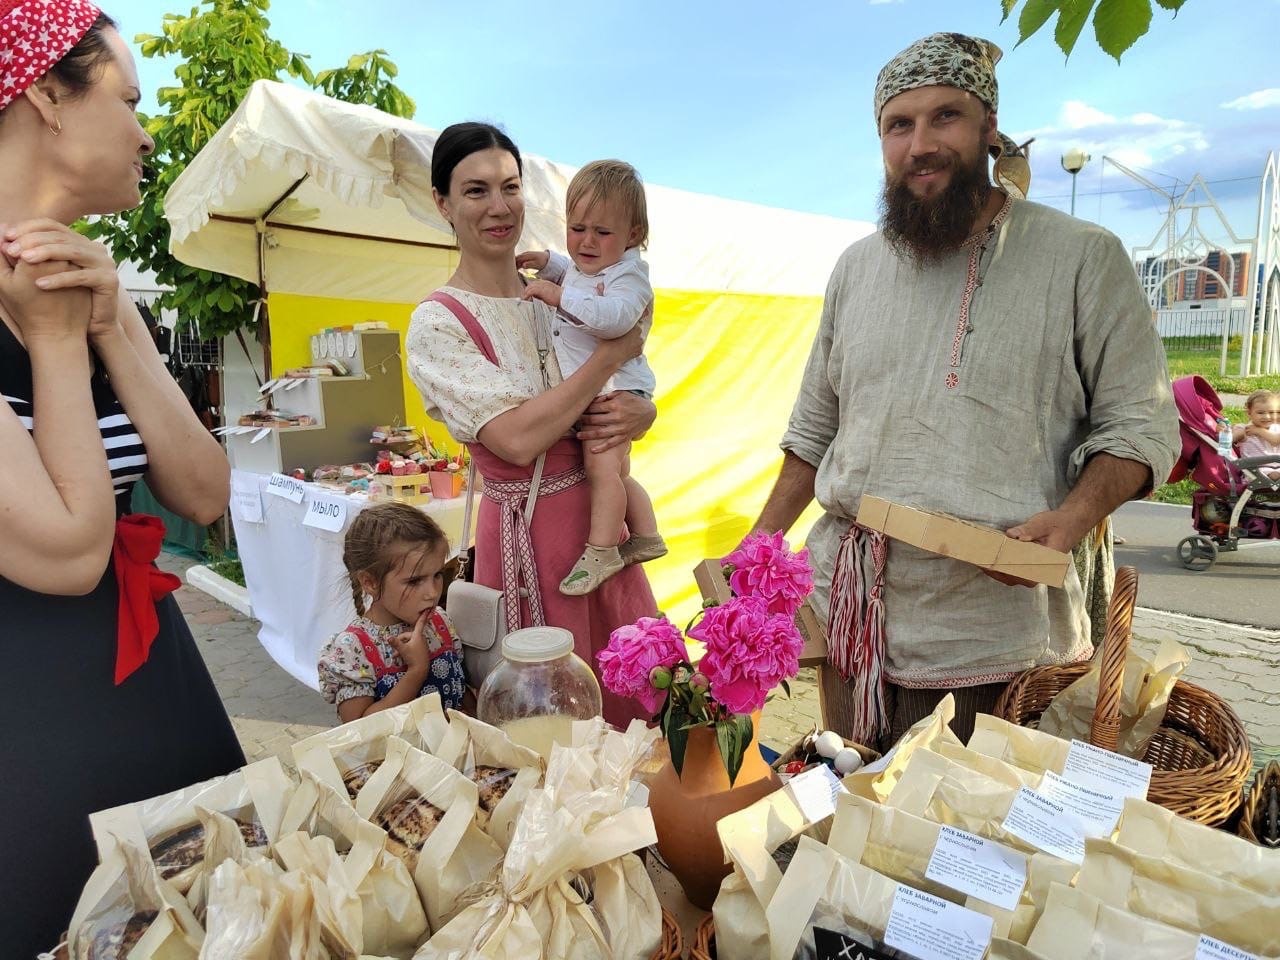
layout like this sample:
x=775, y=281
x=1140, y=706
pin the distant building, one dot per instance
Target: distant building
x=1176, y=285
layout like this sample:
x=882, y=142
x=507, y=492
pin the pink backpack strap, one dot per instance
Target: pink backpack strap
x=469, y=322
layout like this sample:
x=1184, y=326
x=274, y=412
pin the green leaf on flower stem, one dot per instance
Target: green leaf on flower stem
x=730, y=748
x=676, y=732
x=786, y=688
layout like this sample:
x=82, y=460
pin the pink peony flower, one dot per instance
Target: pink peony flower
x=632, y=654
x=750, y=650
x=764, y=567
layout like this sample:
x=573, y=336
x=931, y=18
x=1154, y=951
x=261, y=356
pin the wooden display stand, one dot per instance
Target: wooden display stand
x=413, y=489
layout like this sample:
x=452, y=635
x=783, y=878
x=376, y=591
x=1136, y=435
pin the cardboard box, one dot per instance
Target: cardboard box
x=984, y=547
x=713, y=586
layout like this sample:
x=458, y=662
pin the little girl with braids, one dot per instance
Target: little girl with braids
x=401, y=645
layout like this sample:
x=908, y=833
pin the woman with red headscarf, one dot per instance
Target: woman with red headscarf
x=108, y=700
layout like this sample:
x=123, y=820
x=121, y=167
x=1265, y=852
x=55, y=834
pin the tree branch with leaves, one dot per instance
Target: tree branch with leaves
x=1117, y=24
x=224, y=47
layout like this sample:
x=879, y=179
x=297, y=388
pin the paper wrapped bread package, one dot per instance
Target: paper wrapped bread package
x=1148, y=682
x=1078, y=926
x=256, y=912
x=1153, y=831
x=1023, y=747
x=428, y=811
x=753, y=839
x=569, y=886
x=1181, y=897
x=126, y=910
x=393, y=922
x=346, y=756
x=876, y=780
x=504, y=771
x=168, y=826
x=900, y=846
x=945, y=791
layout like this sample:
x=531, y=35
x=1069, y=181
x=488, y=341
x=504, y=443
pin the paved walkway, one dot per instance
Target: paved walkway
x=271, y=710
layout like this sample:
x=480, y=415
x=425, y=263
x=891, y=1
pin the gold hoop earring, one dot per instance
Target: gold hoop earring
x=56, y=131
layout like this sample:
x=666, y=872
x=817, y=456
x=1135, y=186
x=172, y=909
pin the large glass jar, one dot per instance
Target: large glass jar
x=539, y=689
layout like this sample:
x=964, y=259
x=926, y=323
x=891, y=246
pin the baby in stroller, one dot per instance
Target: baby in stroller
x=1260, y=437
x=1238, y=496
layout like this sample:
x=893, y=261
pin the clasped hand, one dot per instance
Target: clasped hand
x=46, y=257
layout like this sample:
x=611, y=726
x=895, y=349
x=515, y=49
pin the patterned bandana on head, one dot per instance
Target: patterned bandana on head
x=966, y=63
x=35, y=35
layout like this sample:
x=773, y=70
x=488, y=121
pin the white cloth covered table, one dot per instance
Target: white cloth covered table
x=297, y=583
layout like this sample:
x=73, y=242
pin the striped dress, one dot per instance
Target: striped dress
x=74, y=742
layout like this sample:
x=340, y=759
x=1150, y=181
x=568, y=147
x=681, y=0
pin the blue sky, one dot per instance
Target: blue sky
x=771, y=102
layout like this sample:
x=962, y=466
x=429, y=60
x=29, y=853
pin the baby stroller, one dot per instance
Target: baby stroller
x=1236, y=500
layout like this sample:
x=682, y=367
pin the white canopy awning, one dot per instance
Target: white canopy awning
x=341, y=195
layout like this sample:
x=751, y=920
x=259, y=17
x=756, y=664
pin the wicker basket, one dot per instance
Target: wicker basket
x=704, y=940
x=866, y=753
x=1260, y=815
x=1200, y=752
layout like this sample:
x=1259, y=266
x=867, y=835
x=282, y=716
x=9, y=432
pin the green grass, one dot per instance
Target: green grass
x=1185, y=361
x=223, y=562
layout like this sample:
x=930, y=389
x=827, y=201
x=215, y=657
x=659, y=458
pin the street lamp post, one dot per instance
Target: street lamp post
x=1073, y=162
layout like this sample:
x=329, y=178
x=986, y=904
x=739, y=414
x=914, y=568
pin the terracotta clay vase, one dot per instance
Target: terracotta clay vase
x=687, y=807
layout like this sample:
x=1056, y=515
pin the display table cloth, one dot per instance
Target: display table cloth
x=297, y=584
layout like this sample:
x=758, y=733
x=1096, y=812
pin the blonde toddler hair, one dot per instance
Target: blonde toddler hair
x=612, y=181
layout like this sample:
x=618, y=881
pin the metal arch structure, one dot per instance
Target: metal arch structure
x=1182, y=239
x=1263, y=355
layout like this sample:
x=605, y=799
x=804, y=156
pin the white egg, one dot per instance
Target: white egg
x=828, y=744
x=847, y=761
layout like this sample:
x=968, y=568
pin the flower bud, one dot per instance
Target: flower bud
x=699, y=683
x=660, y=677
x=682, y=674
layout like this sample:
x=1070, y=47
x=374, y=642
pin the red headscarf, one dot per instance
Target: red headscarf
x=35, y=35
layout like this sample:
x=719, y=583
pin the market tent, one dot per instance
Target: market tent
x=329, y=206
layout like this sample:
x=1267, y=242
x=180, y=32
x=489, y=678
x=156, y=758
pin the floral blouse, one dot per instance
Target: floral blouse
x=346, y=670
x=459, y=386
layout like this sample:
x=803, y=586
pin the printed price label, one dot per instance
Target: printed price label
x=246, y=498
x=1098, y=810
x=930, y=928
x=981, y=868
x=1046, y=824
x=1211, y=949
x=815, y=792
x=1103, y=770
x=325, y=513
x=286, y=487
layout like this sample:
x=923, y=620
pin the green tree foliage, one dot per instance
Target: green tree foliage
x=224, y=46
x=1117, y=24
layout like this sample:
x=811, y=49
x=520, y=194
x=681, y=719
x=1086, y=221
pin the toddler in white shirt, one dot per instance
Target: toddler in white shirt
x=600, y=291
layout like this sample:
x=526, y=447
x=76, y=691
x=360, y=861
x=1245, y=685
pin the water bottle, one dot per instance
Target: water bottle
x=1224, y=437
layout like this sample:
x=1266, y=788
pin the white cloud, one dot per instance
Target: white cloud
x=1258, y=100
x=1142, y=139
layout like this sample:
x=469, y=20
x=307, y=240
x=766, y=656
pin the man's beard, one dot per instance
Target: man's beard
x=926, y=229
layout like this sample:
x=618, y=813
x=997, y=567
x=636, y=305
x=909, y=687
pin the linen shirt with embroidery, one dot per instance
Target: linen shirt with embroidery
x=587, y=316
x=459, y=386
x=1061, y=362
x=345, y=670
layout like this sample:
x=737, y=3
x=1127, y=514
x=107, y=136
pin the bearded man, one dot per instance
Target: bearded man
x=982, y=356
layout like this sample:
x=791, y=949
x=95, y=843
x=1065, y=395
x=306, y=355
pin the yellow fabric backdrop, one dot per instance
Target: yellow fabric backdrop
x=728, y=366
